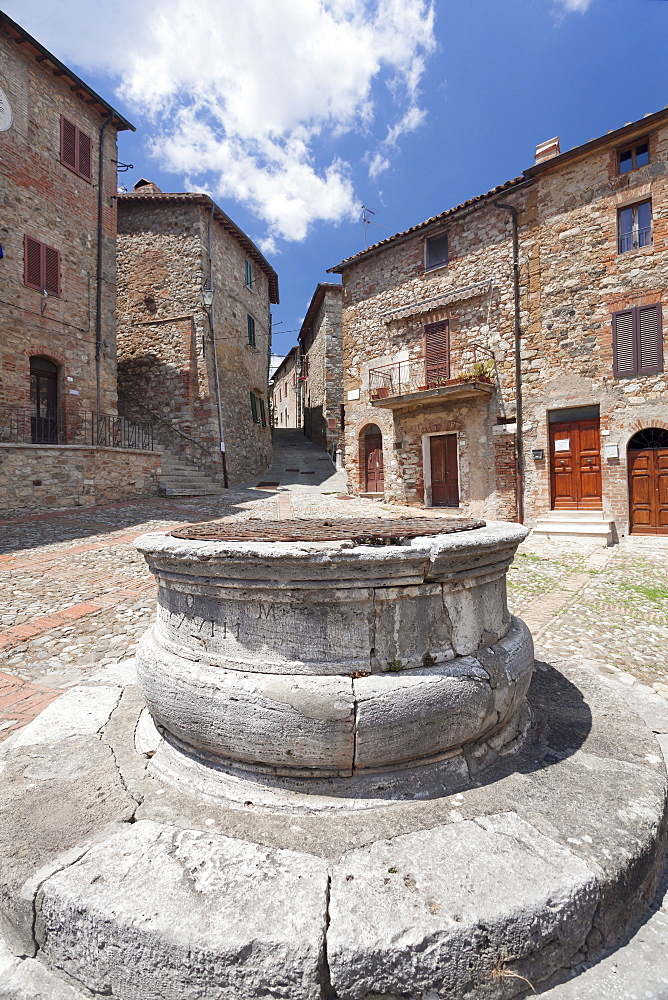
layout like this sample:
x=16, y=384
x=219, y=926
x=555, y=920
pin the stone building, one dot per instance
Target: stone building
x=194, y=332
x=438, y=340
x=286, y=391
x=58, y=159
x=321, y=352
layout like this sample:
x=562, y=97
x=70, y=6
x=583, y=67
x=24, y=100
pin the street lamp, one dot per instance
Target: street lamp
x=207, y=297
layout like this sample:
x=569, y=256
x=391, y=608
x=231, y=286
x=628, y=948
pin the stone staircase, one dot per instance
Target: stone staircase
x=575, y=526
x=183, y=479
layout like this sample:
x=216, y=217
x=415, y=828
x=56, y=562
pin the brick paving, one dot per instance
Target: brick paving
x=75, y=595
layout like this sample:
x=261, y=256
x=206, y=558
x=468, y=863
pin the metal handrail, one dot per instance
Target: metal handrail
x=420, y=373
x=23, y=425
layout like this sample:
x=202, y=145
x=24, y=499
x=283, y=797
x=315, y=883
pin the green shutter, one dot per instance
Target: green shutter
x=263, y=418
x=253, y=407
x=251, y=330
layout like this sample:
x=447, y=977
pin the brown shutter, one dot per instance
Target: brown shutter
x=623, y=343
x=85, y=158
x=650, y=341
x=51, y=270
x=32, y=262
x=68, y=143
x=437, y=351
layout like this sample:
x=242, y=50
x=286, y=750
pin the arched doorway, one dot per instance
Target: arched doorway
x=648, y=482
x=373, y=460
x=43, y=401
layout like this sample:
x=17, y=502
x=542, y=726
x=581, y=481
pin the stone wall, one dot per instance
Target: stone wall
x=320, y=339
x=285, y=401
x=45, y=476
x=166, y=343
x=42, y=198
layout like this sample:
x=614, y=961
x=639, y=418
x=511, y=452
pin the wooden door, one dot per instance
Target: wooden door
x=648, y=491
x=373, y=461
x=444, y=473
x=575, y=465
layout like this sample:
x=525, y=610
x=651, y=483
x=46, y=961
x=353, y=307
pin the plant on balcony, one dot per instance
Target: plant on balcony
x=480, y=371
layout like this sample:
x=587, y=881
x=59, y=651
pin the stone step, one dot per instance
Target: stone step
x=372, y=496
x=573, y=529
x=194, y=491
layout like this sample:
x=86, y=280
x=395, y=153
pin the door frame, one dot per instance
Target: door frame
x=426, y=466
x=363, y=454
x=575, y=463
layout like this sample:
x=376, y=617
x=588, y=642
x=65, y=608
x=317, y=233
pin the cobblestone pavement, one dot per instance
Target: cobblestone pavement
x=76, y=596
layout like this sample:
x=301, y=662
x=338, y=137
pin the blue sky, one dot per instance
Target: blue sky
x=294, y=113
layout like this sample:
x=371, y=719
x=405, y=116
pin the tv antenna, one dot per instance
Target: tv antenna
x=369, y=222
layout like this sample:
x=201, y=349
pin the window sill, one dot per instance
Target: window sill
x=636, y=250
x=436, y=267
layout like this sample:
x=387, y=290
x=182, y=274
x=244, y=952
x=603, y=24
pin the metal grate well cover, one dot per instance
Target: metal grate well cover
x=370, y=530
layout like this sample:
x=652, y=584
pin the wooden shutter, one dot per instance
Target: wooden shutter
x=68, y=143
x=623, y=343
x=84, y=156
x=437, y=351
x=253, y=407
x=649, y=340
x=263, y=418
x=32, y=262
x=51, y=274
x=251, y=330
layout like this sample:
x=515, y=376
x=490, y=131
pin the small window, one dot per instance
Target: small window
x=41, y=266
x=250, y=322
x=435, y=252
x=634, y=226
x=248, y=274
x=253, y=402
x=76, y=149
x=634, y=156
x=637, y=341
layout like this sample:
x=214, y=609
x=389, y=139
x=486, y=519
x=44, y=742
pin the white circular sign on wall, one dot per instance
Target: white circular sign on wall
x=6, y=117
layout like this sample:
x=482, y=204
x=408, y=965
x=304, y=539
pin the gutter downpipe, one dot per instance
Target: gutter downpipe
x=519, y=451
x=212, y=325
x=98, y=286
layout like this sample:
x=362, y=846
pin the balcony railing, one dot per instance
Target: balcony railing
x=473, y=364
x=21, y=425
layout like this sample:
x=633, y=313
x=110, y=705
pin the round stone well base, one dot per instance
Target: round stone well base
x=134, y=888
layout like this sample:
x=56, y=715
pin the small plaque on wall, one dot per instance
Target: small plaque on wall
x=353, y=394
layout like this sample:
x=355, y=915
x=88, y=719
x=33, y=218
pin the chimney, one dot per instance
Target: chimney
x=546, y=150
x=146, y=187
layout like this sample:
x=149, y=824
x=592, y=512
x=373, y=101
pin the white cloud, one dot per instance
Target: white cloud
x=575, y=5
x=243, y=97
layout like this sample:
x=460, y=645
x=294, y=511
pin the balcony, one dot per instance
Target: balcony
x=22, y=425
x=422, y=381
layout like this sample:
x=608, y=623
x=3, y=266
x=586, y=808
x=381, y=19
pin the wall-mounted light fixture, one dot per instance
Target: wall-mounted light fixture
x=207, y=297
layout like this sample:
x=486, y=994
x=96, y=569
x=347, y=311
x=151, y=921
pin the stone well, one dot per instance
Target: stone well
x=337, y=657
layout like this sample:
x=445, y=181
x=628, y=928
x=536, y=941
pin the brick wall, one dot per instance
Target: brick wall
x=166, y=359
x=42, y=198
x=34, y=477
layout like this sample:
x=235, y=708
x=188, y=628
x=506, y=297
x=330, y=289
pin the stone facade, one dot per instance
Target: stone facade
x=286, y=392
x=35, y=477
x=572, y=279
x=322, y=367
x=179, y=360
x=49, y=202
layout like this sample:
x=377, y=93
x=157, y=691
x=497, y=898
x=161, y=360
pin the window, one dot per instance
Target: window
x=248, y=274
x=250, y=322
x=253, y=402
x=637, y=341
x=258, y=411
x=435, y=251
x=634, y=156
x=76, y=149
x=263, y=415
x=635, y=226
x=41, y=266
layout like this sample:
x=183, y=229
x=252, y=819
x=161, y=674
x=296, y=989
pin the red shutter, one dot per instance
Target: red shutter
x=85, y=158
x=68, y=143
x=32, y=262
x=650, y=341
x=437, y=352
x=623, y=343
x=51, y=270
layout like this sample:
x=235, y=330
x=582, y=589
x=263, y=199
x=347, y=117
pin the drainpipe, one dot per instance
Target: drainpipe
x=519, y=454
x=98, y=289
x=212, y=323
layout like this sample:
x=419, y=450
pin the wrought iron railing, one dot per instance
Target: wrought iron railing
x=636, y=239
x=21, y=425
x=472, y=364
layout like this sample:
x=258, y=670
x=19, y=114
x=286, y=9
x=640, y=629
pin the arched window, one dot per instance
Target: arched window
x=650, y=437
x=43, y=401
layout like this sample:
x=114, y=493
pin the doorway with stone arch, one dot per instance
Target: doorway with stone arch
x=374, y=473
x=647, y=453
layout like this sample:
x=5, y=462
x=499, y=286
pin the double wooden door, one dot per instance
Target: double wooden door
x=444, y=473
x=575, y=465
x=648, y=491
x=373, y=460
